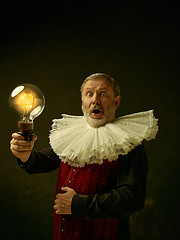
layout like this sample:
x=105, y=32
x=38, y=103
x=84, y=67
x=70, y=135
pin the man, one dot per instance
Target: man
x=102, y=170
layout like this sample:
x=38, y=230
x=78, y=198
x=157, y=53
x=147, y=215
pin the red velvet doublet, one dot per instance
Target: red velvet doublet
x=86, y=180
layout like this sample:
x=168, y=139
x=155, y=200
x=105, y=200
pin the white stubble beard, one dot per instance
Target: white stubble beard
x=95, y=122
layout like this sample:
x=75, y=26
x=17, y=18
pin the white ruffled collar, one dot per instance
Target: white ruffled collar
x=76, y=143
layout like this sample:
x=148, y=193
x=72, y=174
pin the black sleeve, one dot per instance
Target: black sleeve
x=40, y=161
x=128, y=197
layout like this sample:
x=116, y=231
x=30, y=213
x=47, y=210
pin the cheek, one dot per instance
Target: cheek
x=85, y=103
x=106, y=103
x=109, y=105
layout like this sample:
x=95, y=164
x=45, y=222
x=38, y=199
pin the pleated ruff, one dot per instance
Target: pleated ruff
x=76, y=143
x=90, y=179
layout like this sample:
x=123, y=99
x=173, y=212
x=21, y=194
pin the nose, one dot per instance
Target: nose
x=95, y=100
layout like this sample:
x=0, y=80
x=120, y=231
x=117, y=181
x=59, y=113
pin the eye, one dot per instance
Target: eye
x=89, y=94
x=103, y=93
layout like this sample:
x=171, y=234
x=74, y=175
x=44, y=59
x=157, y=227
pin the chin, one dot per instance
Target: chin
x=95, y=123
x=98, y=122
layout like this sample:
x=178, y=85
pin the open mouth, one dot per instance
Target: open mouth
x=96, y=111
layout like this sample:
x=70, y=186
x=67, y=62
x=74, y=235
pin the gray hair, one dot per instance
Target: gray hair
x=95, y=76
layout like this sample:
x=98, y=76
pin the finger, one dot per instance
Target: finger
x=56, y=201
x=17, y=136
x=55, y=207
x=58, y=195
x=59, y=199
x=20, y=137
x=59, y=206
x=58, y=212
x=19, y=142
x=19, y=148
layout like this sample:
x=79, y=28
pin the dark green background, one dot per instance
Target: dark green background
x=55, y=48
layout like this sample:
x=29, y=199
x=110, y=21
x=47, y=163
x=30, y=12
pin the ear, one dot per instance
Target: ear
x=117, y=101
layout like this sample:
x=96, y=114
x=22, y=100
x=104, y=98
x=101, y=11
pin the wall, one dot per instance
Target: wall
x=55, y=48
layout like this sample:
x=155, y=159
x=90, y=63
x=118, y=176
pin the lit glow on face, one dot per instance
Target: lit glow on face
x=99, y=103
x=26, y=100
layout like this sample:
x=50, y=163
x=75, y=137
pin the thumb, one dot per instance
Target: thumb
x=65, y=189
x=34, y=137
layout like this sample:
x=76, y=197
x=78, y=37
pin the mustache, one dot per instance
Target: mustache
x=96, y=107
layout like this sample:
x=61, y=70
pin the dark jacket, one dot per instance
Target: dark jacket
x=121, y=202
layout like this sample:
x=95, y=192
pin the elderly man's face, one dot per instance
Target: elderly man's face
x=99, y=103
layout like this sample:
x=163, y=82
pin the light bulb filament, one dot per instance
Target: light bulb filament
x=26, y=101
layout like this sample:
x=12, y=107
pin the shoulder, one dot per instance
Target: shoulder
x=138, y=151
x=135, y=159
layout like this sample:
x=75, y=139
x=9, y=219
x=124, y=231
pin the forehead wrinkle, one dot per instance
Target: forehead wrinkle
x=100, y=85
x=99, y=88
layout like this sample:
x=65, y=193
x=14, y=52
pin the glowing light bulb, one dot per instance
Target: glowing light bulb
x=28, y=101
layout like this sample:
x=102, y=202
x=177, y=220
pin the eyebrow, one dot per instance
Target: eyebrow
x=89, y=88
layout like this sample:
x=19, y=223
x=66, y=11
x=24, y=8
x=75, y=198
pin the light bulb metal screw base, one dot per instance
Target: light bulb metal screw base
x=26, y=130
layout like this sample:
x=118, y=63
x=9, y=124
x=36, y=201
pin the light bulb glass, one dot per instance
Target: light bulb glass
x=28, y=101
